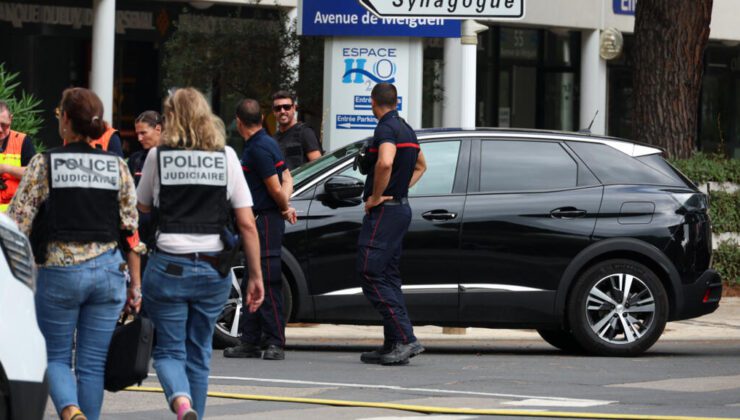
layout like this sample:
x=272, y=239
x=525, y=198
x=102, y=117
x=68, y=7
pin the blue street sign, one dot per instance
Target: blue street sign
x=349, y=18
x=356, y=122
x=362, y=103
x=624, y=7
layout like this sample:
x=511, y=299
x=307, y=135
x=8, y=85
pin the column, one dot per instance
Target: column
x=452, y=81
x=103, y=53
x=593, y=84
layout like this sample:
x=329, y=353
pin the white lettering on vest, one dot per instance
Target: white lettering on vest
x=192, y=167
x=84, y=170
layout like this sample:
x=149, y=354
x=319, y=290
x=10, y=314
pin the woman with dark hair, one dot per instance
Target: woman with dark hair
x=148, y=127
x=194, y=182
x=81, y=283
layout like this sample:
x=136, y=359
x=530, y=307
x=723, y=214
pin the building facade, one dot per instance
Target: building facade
x=543, y=71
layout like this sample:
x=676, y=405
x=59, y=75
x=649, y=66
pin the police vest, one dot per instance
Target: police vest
x=192, y=193
x=84, y=184
x=104, y=140
x=11, y=156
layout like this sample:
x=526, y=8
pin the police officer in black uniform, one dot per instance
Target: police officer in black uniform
x=271, y=185
x=399, y=165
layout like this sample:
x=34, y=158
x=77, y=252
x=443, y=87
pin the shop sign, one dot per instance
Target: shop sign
x=624, y=7
x=449, y=9
x=359, y=64
x=19, y=14
x=348, y=18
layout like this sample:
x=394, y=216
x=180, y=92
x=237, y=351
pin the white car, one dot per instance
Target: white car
x=23, y=386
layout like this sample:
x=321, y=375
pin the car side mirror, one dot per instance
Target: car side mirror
x=343, y=187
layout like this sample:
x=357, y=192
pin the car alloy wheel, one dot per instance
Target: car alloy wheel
x=226, y=333
x=618, y=308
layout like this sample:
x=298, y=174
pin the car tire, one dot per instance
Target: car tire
x=226, y=334
x=561, y=339
x=607, y=321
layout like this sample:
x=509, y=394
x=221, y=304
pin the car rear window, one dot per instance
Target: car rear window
x=614, y=167
x=526, y=166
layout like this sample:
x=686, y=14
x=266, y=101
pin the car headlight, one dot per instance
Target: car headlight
x=19, y=256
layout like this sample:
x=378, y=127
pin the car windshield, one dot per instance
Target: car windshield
x=307, y=171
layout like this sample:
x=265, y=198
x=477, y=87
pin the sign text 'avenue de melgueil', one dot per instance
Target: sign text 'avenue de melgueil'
x=448, y=9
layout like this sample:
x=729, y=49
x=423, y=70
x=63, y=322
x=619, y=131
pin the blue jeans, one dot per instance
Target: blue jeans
x=183, y=297
x=87, y=297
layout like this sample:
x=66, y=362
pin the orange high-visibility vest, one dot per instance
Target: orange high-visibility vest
x=102, y=142
x=11, y=156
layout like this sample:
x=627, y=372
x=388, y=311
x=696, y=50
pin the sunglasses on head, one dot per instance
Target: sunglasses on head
x=284, y=107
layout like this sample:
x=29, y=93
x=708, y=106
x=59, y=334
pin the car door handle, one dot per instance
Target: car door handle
x=567, y=213
x=439, y=215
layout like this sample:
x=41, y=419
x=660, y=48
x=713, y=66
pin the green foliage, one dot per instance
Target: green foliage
x=724, y=210
x=726, y=260
x=706, y=167
x=26, y=109
x=237, y=58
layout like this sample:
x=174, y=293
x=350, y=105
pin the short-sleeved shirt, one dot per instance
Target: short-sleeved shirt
x=114, y=145
x=295, y=143
x=147, y=193
x=262, y=159
x=392, y=129
x=27, y=149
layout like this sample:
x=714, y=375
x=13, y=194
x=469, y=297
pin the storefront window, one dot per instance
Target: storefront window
x=528, y=78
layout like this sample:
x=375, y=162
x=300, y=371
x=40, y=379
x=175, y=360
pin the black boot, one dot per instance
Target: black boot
x=244, y=351
x=274, y=352
x=400, y=353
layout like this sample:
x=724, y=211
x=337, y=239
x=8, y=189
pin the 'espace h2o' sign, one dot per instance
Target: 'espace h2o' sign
x=448, y=9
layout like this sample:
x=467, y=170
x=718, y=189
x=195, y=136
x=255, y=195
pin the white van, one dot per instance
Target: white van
x=23, y=386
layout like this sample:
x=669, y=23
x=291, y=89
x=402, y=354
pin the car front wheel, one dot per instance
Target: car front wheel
x=226, y=333
x=618, y=308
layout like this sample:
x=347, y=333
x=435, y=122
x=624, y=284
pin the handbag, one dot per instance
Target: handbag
x=129, y=353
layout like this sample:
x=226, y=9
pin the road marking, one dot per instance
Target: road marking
x=541, y=400
x=440, y=410
x=705, y=384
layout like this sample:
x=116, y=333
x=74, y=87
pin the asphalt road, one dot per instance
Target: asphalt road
x=675, y=378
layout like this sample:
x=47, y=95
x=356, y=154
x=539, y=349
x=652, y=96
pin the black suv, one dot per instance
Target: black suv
x=595, y=242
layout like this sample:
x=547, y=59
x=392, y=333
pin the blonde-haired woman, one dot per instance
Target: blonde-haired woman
x=192, y=181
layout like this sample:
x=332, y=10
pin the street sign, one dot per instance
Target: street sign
x=624, y=7
x=348, y=18
x=448, y=9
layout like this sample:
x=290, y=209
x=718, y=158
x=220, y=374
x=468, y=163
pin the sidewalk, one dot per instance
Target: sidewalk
x=723, y=324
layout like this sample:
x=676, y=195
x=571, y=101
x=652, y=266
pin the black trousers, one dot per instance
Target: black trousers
x=268, y=321
x=378, y=261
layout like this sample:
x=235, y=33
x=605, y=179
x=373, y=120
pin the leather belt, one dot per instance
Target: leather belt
x=193, y=256
x=396, y=201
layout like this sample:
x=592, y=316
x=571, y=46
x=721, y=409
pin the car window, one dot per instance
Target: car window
x=441, y=158
x=614, y=167
x=308, y=170
x=526, y=166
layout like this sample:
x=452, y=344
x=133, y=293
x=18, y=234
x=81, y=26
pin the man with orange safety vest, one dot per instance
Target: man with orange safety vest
x=16, y=150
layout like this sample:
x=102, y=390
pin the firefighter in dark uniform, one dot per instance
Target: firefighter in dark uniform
x=399, y=165
x=271, y=185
